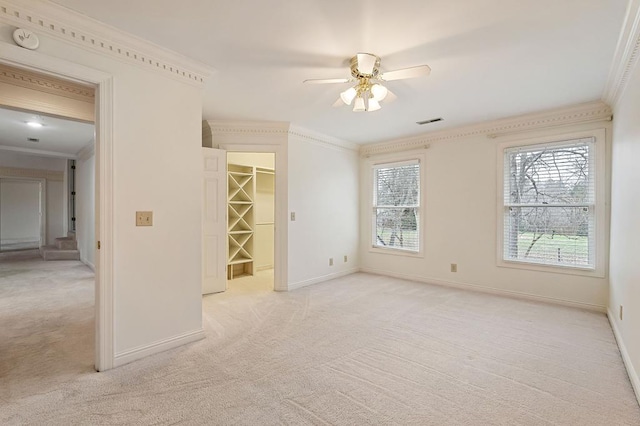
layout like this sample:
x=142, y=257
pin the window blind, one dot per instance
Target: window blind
x=549, y=203
x=396, y=205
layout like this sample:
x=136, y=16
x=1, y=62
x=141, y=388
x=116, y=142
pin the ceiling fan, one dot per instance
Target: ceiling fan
x=369, y=91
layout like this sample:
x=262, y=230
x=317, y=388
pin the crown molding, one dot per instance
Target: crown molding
x=87, y=151
x=31, y=173
x=44, y=17
x=248, y=127
x=626, y=56
x=44, y=83
x=582, y=113
x=276, y=128
x=314, y=137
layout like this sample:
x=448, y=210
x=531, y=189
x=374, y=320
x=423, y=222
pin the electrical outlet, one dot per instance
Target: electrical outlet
x=454, y=267
x=144, y=218
x=345, y=258
x=331, y=261
x=293, y=216
x=620, y=312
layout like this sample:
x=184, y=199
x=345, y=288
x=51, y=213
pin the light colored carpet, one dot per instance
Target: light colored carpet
x=359, y=350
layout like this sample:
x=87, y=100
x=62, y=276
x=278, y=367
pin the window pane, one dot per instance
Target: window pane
x=555, y=235
x=555, y=175
x=398, y=186
x=397, y=228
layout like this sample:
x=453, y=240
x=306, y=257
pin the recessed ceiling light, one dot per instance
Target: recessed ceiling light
x=34, y=124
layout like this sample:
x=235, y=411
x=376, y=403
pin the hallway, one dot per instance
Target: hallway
x=47, y=317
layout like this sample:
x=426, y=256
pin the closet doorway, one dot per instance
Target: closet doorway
x=250, y=221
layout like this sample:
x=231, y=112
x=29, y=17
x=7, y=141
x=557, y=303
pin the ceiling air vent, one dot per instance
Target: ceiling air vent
x=33, y=139
x=433, y=120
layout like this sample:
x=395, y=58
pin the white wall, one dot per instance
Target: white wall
x=254, y=159
x=37, y=166
x=85, y=207
x=28, y=161
x=460, y=210
x=157, y=166
x=625, y=224
x=20, y=212
x=323, y=193
x=55, y=215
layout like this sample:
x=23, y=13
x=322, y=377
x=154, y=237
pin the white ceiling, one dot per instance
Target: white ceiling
x=58, y=137
x=490, y=58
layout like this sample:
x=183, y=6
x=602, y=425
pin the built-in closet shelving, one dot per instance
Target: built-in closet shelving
x=241, y=226
x=247, y=186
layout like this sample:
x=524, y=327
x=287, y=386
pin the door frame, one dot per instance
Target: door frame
x=280, y=253
x=104, y=189
x=43, y=203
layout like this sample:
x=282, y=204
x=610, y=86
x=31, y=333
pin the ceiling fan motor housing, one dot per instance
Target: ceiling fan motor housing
x=359, y=70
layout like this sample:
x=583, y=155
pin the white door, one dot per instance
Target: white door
x=214, y=225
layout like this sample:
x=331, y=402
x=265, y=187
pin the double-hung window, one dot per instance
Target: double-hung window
x=396, y=206
x=549, y=204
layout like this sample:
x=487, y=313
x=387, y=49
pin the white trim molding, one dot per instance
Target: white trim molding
x=583, y=113
x=627, y=55
x=43, y=17
x=323, y=278
x=315, y=137
x=275, y=129
x=488, y=290
x=16, y=56
x=626, y=359
x=157, y=347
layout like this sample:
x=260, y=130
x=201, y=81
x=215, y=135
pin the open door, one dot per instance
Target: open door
x=214, y=221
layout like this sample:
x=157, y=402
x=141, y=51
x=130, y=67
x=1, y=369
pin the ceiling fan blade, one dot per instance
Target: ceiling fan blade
x=328, y=81
x=413, y=72
x=366, y=63
x=338, y=103
x=391, y=97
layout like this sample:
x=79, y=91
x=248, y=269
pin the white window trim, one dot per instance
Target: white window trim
x=600, y=205
x=404, y=157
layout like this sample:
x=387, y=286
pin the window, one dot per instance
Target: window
x=549, y=204
x=396, y=206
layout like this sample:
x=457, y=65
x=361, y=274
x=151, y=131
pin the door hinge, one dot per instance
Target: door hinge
x=98, y=245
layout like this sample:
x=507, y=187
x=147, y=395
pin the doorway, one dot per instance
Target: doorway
x=251, y=221
x=53, y=289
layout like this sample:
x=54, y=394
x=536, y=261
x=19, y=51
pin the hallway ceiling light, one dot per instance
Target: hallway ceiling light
x=34, y=124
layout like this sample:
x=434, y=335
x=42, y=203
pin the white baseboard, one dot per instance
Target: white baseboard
x=633, y=375
x=89, y=264
x=490, y=290
x=157, y=347
x=305, y=283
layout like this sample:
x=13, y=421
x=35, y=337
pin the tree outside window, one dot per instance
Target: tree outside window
x=396, y=205
x=549, y=203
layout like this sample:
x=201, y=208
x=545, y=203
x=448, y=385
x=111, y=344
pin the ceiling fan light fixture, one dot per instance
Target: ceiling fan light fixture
x=348, y=95
x=374, y=105
x=359, y=105
x=379, y=92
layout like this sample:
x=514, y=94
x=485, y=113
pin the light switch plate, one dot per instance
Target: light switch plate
x=144, y=218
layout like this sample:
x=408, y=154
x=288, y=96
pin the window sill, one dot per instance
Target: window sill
x=555, y=269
